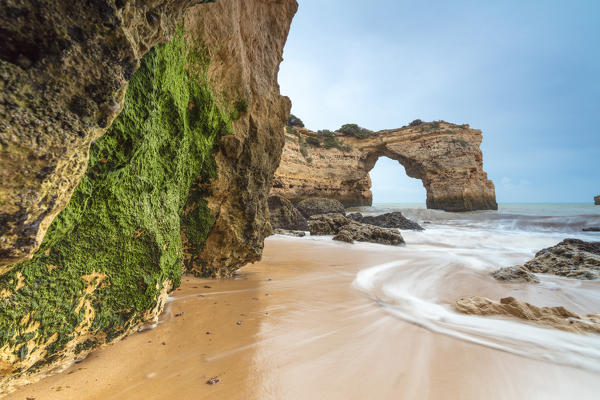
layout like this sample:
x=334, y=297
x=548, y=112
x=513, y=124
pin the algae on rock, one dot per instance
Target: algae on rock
x=109, y=258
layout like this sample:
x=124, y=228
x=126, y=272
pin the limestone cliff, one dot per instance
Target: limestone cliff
x=177, y=180
x=446, y=157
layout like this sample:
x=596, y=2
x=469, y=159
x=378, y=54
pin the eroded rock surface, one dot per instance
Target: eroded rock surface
x=388, y=220
x=327, y=224
x=515, y=274
x=315, y=206
x=446, y=157
x=368, y=233
x=551, y=317
x=284, y=215
x=572, y=258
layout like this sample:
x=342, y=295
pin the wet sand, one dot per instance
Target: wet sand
x=293, y=327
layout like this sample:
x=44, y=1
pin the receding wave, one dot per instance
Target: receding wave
x=443, y=264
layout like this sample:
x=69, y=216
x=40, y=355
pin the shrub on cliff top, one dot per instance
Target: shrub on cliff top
x=313, y=141
x=294, y=121
x=355, y=130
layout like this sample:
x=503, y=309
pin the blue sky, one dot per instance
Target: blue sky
x=527, y=73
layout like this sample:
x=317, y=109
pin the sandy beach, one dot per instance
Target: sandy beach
x=293, y=327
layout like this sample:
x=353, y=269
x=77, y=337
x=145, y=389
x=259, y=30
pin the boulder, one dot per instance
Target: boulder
x=327, y=224
x=389, y=220
x=368, y=233
x=515, y=274
x=572, y=258
x=284, y=215
x=310, y=207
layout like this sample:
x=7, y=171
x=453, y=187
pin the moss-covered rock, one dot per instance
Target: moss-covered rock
x=110, y=257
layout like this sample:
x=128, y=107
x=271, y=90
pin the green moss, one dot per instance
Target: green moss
x=123, y=223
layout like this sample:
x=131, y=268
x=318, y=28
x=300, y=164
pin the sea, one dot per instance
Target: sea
x=454, y=257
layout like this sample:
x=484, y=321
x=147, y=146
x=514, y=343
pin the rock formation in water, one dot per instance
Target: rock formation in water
x=177, y=180
x=597, y=200
x=550, y=317
x=572, y=258
x=446, y=157
x=388, y=220
x=346, y=230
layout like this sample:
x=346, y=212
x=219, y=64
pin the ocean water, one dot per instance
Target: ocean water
x=453, y=258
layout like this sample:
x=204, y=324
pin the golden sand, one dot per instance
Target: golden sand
x=292, y=327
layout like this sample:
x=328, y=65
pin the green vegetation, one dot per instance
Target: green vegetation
x=327, y=140
x=355, y=130
x=119, y=237
x=294, y=121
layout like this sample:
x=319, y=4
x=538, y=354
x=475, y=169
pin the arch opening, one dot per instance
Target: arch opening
x=391, y=185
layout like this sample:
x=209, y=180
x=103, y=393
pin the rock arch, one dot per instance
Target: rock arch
x=444, y=156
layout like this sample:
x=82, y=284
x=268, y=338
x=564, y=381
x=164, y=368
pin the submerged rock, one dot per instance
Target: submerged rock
x=592, y=229
x=327, y=224
x=388, y=220
x=284, y=215
x=551, y=317
x=368, y=233
x=515, y=274
x=572, y=258
x=310, y=207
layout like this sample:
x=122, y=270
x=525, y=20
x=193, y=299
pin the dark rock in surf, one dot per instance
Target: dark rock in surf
x=369, y=233
x=597, y=200
x=388, y=220
x=571, y=258
x=592, y=229
x=327, y=224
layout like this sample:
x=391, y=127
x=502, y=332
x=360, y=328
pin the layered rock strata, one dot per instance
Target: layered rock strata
x=444, y=156
x=180, y=180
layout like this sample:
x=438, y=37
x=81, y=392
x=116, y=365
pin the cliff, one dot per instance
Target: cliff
x=444, y=156
x=124, y=162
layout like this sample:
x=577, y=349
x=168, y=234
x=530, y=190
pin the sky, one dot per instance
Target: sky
x=527, y=73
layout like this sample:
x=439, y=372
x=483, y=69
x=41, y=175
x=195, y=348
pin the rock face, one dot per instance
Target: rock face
x=551, y=317
x=285, y=216
x=572, y=258
x=180, y=180
x=389, y=220
x=310, y=207
x=64, y=68
x=597, y=200
x=446, y=157
x=368, y=233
